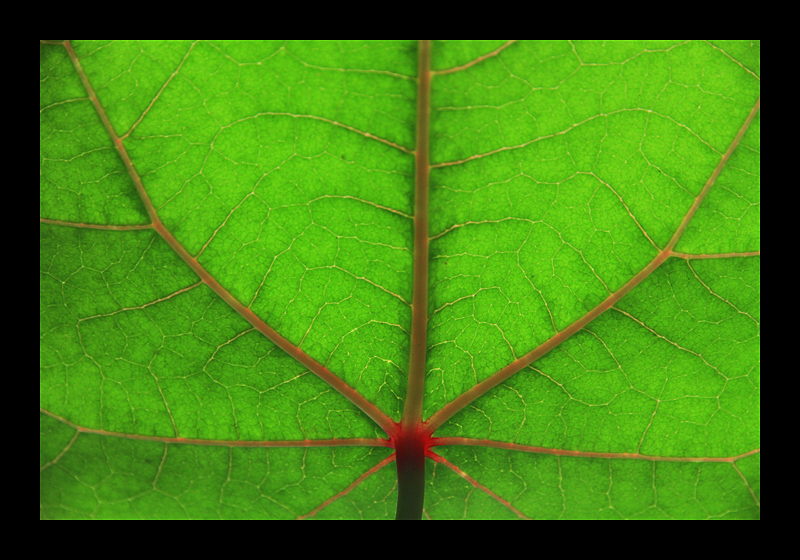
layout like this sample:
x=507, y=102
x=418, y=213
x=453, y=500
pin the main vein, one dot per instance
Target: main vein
x=412, y=408
x=386, y=423
x=454, y=406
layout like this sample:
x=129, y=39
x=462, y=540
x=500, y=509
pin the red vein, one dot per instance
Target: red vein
x=344, y=492
x=476, y=61
x=476, y=484
x=447, y=411
x=94, y=226
x=335, y=442
x=571, y=453
x=386, y=423
x=412, y=408
x=715, y=256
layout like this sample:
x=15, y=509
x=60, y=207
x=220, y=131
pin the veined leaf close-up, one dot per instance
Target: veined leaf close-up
x=399, y=279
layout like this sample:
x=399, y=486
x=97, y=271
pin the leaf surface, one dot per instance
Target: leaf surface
x=268, y=268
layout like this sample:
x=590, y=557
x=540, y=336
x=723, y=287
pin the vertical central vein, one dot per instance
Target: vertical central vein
x=410, y=442
x=412, y=410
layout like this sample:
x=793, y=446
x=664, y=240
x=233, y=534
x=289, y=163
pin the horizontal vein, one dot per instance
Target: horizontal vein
x=144, y=305
x=95, y=226
x=715, y=256
x=451, y=408
x=353, y=70
x=386, y=423
x=571, y=453
x=356, y=482
x=439, y=459
x=64, y=102
x=570, y=129
x=363, y=201
x=329, y=121
x=476, y=61
x=481, y=222
x=335, y=442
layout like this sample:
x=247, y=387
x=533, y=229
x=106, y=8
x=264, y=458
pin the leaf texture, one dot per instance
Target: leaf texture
x=264, y=266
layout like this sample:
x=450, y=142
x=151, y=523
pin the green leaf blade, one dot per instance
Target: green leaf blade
x=231, y=325
x=544, y=486
x=156, y=480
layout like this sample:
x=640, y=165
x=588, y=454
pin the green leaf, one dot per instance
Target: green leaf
x=360, y=280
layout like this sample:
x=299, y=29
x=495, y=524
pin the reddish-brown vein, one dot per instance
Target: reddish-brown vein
x=715, y=256
x=152, y=102
x=347, y=490
x=447, y=411
x=412, y=408
x=335, y=442
x=711, y=180
x=475, y=483
x=94, y=226
x=386, y=423
x=476, y=61
x=571, y=453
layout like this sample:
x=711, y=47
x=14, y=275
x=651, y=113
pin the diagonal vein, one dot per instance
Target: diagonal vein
x=380, y=418
x=477, y=60
x=439, y=459
x=454, y=406
x=356, y=482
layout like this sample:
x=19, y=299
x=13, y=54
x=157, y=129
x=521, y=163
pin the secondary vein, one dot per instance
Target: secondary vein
x=377, y=415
